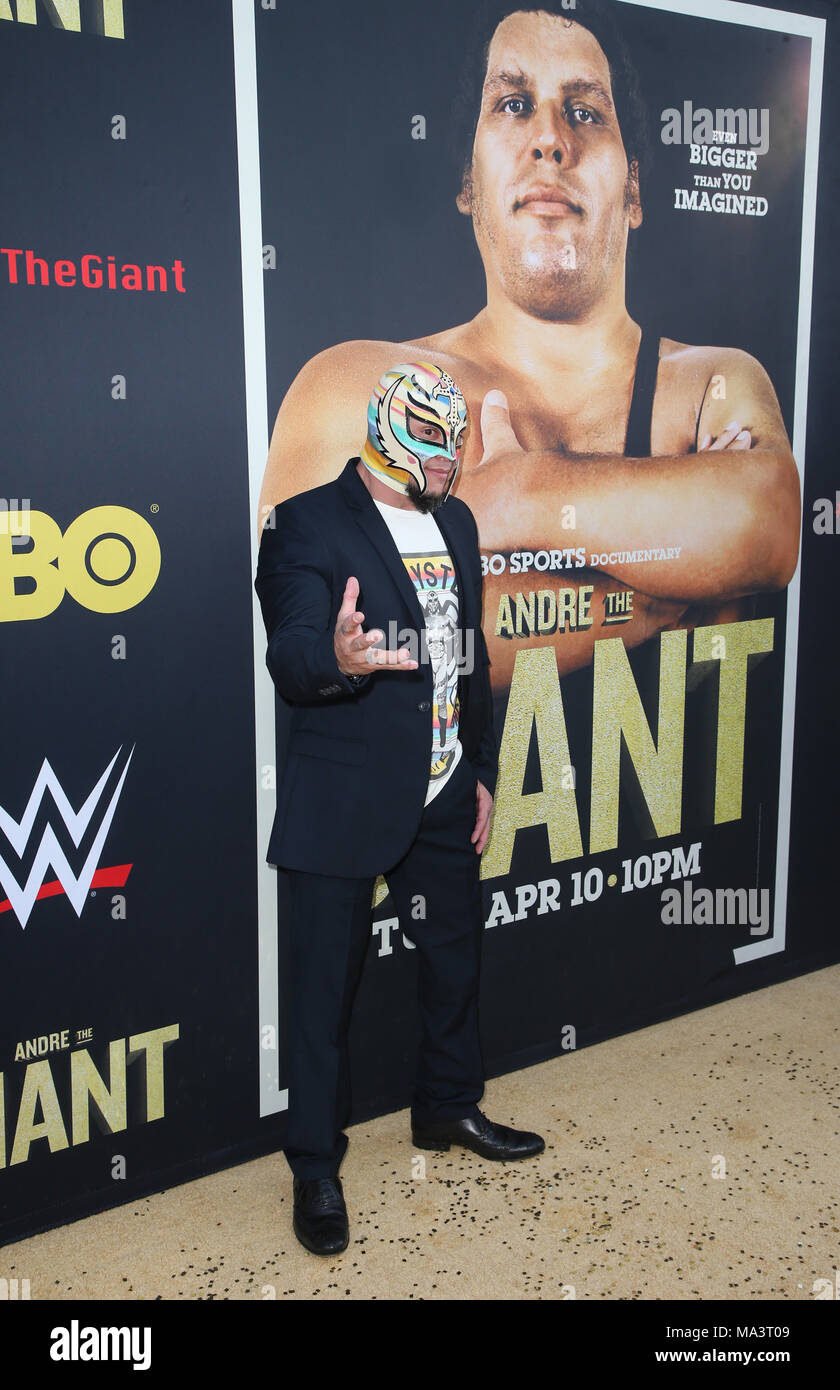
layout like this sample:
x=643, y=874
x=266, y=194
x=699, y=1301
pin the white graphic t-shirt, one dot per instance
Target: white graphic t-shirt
x=429, y=564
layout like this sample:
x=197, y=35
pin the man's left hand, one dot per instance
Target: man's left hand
x=483, y=809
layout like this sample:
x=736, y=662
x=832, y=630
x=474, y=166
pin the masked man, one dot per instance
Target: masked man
x=391, y=768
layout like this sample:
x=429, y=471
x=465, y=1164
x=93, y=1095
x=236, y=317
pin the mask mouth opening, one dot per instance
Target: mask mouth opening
x=451, y=483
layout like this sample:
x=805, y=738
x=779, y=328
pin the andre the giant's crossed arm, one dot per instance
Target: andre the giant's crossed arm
x=737, y=521
x=728, y=495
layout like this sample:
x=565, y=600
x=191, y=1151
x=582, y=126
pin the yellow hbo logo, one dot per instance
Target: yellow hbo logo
x=108, y=560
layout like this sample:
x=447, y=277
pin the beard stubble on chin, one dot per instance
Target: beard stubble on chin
x=426, y=501
x=551, y=289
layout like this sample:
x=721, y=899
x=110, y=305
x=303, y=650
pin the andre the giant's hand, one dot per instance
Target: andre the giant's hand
x=354, y=650
x=497, y=436
x=489, y=486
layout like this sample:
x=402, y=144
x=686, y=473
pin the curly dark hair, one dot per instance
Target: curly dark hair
x=600, y=18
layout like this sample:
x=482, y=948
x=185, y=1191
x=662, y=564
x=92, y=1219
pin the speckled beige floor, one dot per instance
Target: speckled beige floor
x=695, y=1159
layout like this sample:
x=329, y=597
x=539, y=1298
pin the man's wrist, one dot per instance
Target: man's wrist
x=341, y=671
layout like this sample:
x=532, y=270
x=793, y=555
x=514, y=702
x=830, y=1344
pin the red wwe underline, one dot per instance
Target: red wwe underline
x=114, y=877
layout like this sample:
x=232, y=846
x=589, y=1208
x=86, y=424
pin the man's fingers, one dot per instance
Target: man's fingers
x=727, y=436
x=733, y=437
x=399, y=657
x=479, y=835
x=484, y=810
x=348, y=601
x=352, y=624
x=482, y=817
x=497, y=436
x=742, y=440
x=364, y=639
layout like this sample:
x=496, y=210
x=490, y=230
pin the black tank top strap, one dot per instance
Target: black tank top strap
x=637, y=441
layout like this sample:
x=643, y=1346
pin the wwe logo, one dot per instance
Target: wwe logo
x=49, y=853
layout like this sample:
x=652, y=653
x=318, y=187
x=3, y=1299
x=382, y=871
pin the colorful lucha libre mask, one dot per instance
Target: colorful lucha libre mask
x=416, y=413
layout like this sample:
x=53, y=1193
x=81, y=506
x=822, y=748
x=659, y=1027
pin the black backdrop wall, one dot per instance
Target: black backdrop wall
x=142, y=935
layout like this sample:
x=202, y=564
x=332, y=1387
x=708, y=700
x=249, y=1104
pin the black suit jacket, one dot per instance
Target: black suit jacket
x=351, y=795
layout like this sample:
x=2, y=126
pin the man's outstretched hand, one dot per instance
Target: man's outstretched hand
x=483, y=808
x=355, y=650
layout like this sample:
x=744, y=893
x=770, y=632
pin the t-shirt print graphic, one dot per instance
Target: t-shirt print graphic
x=436, y=586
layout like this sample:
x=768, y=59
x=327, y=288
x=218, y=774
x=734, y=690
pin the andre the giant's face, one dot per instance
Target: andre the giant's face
x=548, y=131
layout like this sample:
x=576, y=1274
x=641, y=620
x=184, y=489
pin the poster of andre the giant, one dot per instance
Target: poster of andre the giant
x=602, y=210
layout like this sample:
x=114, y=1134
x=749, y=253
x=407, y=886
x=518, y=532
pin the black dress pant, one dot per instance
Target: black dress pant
x=437, y=895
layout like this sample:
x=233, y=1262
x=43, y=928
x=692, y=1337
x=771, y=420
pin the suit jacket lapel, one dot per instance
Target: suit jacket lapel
x=467, y=617
x=373, y=524
x=375, y=528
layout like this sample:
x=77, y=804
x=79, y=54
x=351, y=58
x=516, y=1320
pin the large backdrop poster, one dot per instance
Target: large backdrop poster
x=605, y=211
x=215, y=211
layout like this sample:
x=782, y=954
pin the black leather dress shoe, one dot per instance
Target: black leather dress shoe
x=479, y=1134
x=320, y=1216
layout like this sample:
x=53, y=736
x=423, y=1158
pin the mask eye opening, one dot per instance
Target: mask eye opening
x=414, y=425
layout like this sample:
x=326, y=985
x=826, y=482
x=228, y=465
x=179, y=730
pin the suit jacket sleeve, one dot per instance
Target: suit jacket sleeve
x=294, y=584
x=487, y=761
